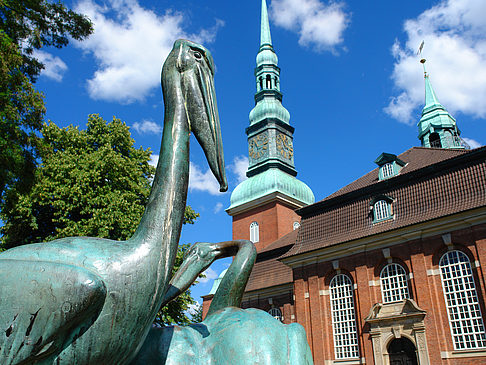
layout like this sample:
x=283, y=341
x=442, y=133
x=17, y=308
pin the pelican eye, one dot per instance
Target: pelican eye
x=197, y=55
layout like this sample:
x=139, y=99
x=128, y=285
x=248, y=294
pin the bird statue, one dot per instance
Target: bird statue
x=228, y=334
x=83, y=300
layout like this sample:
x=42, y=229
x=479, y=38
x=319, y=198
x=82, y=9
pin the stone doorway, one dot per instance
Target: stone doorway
x=402, y=322
x=402, y=351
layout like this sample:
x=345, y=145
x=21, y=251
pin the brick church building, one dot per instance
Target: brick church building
x=388, y=270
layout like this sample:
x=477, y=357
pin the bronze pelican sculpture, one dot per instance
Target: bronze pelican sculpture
x=228, y=335
x=83, y=300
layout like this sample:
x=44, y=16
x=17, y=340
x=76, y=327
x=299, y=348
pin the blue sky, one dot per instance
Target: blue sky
x=350, y=76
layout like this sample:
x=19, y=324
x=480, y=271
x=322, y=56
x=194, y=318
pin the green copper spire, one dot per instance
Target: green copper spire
x=265, y=37
x=437, y=128
x=271, y=171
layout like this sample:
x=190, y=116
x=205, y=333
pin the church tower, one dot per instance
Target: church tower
x=263, y=206
x=437, y=128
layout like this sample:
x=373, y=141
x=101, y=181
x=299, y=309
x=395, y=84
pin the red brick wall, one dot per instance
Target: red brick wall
x=312, y=309
x=282, y=301
x=274, y=219
x=207, y=299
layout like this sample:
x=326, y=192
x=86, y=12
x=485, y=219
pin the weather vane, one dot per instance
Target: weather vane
x=419, y=52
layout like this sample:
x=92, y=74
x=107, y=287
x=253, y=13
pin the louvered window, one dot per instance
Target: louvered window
x=394, y=287
x=343, y=318
x=465, y=320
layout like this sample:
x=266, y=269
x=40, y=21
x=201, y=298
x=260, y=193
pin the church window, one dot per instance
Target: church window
x=276, y=313
x=343, y=317
x=296, y=225
x=394, y=285
x=434, y=140
x=269, y=82
x=465, y=319
x=261, y=83
x=387, y=170
x=381, y=210
x=254, y=232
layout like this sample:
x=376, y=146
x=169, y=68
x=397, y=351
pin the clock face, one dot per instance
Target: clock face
x=284, y=146
x=258, y=146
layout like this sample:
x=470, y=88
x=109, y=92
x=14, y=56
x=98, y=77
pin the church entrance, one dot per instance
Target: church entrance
x=402, y=351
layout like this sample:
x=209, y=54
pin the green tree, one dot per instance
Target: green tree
x=21, y=113
x=33, y=24
x=27, y=25
x=91, y=182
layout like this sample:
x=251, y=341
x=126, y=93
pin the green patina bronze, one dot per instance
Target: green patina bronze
x=83, y=300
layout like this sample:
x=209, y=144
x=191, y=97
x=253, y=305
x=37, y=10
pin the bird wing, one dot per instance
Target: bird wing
x=44, y=306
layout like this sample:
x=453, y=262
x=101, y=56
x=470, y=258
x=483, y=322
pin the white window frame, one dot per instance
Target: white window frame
x=276, y=313
x=394, y=283
x=254, y=232
x=460, y=296
x=381, y=210
x=387, y=170
x=343, y=315
x=296, y=225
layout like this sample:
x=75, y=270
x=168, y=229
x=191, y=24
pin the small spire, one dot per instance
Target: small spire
x=265, y=37
x=430, y=97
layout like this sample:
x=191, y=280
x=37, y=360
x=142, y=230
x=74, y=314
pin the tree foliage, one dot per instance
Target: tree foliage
x=33, y=24
x=27, y=25
x=21, y=113
x=91, y=182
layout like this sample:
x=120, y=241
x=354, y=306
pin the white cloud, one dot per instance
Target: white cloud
x=154, y=160
x=54, y=67
x=193, y=308
x=202, y=181
x=130, y=44
x=147, y=126
x=218, y=207
x=210, y=275
x=454, y=32
x=239, y=167
x=318, y=24
x=472, y=143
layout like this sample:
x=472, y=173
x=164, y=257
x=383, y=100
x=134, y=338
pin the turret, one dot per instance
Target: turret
x=437, y=128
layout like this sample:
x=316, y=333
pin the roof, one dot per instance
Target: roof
x=415, y=158
x=268, y=182
x=268, y=271
x=433, y=184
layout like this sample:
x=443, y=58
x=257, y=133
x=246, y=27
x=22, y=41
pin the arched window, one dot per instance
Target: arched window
x=296, y=225
x=461, y=300
x=269, y=82
x=343, y=318
x=276, y=313
x=387, y=170
x=261, y=83
x=254, y=232
x=434, y=140
x=394, y=287
x=381, y=210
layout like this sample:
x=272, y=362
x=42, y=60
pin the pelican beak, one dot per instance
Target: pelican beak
x=202, y=110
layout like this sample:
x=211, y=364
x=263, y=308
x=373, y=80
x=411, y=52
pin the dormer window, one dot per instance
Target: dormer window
x=387, y=170
x=390, y=165
x=381, y=208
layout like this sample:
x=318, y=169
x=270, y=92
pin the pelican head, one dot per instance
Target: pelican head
x=194, y=67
